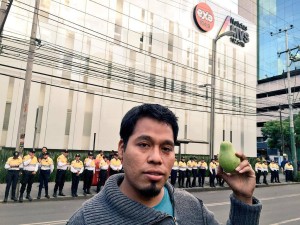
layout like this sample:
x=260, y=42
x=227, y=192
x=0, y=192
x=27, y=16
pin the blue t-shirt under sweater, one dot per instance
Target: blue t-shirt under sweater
x=165, y=204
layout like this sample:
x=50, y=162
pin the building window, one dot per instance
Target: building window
x=172, y=85
x=6, y=116
x=165, y=83
x=183, y=88
x=39, y=119
x=109, y=69
x=131, y=75
x=68, y=122
x=152, y=80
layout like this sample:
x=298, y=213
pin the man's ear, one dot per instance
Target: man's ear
x=121, y=147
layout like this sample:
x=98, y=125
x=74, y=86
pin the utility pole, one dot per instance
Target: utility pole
x=290, y=98
x=27, y=82
x=281, y=131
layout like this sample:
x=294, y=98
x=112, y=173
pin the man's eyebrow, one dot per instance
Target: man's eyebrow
x=148, y=138
x=144, y=137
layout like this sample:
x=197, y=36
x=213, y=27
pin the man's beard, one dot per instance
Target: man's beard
x=151, y=191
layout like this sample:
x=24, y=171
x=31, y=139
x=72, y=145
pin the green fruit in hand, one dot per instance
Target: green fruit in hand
x=227, y=158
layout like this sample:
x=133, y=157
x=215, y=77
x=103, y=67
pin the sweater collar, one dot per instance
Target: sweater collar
x=123, y=206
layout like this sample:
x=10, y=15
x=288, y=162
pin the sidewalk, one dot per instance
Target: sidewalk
x=67, y=190
x=35, y=188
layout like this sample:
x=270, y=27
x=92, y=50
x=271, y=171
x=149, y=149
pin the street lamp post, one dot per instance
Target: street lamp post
x=213, y=83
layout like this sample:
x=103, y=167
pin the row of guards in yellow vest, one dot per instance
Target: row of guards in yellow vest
x=112, y=166
x=95, y=172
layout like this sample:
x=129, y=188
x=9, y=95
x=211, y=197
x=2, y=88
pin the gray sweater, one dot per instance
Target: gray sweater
x=112, y=207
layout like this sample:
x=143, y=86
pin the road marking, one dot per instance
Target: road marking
x=47, y=223
x=218, y=203
x=282, y=196
x=286, y=221
x=261, y=199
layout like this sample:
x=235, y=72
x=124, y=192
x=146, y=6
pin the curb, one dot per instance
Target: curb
x=44, y=199
x=203, y=189
x=194, y=189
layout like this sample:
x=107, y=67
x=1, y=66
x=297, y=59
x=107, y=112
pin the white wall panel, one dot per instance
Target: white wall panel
x=33, y=104
x=250, y=138
x=77, y=120
x=96, y=122
x=56, y=118
x=3, y=96
x=15, y=113
x=111, y=113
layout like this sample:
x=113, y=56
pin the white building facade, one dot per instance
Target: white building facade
x=94, y=60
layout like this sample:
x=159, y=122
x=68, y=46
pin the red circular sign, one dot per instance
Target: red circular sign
x=204, y=17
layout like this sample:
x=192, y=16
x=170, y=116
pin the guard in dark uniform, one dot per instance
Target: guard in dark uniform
x=182, y=171
x=30, y=163
x=13, y=165
x=174, y=172
x=89, y=170
x=46, y=168
x=104, y=164
x=62, y=167
x=212, y=170
x=76, y=170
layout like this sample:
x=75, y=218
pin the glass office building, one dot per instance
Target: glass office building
x=95, y=60
x=272, y=16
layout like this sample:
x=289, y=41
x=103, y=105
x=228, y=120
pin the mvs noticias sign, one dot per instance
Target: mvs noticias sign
x=241, y=35
x=204, y=17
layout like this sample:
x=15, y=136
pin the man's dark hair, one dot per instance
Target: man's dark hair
x=153, y=111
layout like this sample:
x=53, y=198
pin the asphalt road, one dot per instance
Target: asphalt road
x=281, y=205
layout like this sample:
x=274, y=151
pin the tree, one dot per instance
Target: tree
x=272, y=132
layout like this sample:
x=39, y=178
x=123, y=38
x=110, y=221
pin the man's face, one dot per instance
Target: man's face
x=147, y=159
x=44, y=149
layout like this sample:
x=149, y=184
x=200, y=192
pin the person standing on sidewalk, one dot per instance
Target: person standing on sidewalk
x=194, y=171
x=288, y=168
x=76, y=169
x=273, y=170
x=277, y=173
x=213, y=172
x=13, y=165
x=182, y=171
x=174, y=172
x=62, y=166
x=100, y=156
x=89, y=170
x=30, y=164
x=104, y=164
x=115, y=165
x=282, y=165
x=202, y=165
x=189, y=173
x=264, y=171
x=258, y=170
x=41, y=155
x=46, y=169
